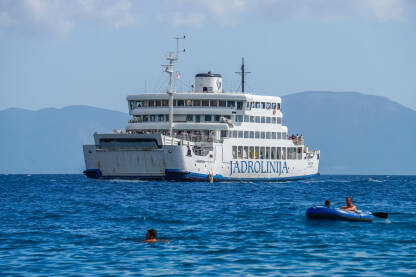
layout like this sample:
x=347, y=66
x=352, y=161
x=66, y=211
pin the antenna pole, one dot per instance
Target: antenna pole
x=243, y=73
x=169, y=68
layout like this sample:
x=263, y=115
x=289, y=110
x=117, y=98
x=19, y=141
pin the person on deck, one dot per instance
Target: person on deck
x=349, y=206
x=327, y=203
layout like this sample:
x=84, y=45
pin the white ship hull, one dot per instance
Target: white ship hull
x=175, y=159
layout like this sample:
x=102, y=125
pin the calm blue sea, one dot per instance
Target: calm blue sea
x=54, y=225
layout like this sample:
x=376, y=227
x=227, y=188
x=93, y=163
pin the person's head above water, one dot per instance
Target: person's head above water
x=327, y=203
x=348, y=201
x=151, y=235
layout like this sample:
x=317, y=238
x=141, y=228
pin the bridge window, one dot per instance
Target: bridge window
x=268, y=105
x=230, y=104
x=222, y=103
x=239, y=105
x=273, y=106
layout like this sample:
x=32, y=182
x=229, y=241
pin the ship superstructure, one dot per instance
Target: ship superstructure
x=202, y=134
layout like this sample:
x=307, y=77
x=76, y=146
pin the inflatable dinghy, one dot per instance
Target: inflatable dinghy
x=338, y=214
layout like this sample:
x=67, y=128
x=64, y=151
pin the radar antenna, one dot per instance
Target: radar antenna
x=169, y=68
x=243, y=73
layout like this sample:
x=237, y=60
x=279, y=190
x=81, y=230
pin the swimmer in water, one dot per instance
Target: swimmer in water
x=349, y=206
x=327, y=203
x=151, y=236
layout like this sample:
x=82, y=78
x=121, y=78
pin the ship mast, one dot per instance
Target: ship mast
x=243, y=73
x=169, y=68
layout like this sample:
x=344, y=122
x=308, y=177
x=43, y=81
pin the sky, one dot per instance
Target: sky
x=56, y=53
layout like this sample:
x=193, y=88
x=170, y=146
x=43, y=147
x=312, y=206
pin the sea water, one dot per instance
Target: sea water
x=55, y=225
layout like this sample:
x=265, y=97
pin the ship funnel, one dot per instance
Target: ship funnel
x=208, y=83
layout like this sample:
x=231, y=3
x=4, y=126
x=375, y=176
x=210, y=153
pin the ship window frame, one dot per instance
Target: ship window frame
x=165, y=103
x=279, y=135
x=252, y=119
x=240, y=134
x=273, y=153
x=217, y=117
x=240, y=152
x=205, y=103
x=284, y=135
x=257, y=105
x=188, y=103
x=262, y=105
x=246, y=118
x=208, y=118
x=251, y=152
x=245, y=152
x=196, y=103
x=222, y=103
x=189, y=117
x=234, y=152
x=274, y=106
x=198, y=118
x=262, y=153
x=238, y=118
x=257, y=118
x=268, y=120
x=252, y=134
x=268, y=105
x=279, y=120
x=279, y=153
x=268, y=136
x=145, y=118
x=284, y=153
x=246, y=134
x=256, y=152
x=257, y=134
x=235, y=134
x=213, y=103
x=239, y=105
x=263, y=119
x=158, y=103
x=273, y=135
x=274, y=120
x=262, y=134
x=230, y=104
x=160, y=117
x=151, y=103
x=267, y=152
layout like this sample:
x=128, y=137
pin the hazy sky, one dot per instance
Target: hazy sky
x=55, y=53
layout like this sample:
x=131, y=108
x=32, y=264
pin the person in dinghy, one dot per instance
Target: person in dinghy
x=349, y=206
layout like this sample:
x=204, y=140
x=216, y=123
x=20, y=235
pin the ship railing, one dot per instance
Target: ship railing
x=186, y=138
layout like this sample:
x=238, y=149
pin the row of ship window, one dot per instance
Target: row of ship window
x=267, y=153
x=257, y=135
x=204, y=103
x=206, y=118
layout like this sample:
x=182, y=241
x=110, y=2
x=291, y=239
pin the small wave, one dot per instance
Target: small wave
x=375, y=180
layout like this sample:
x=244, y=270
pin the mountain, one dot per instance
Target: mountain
x=50, y=140
x=356, y=133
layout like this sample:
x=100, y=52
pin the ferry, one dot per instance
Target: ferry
x=204, y=134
